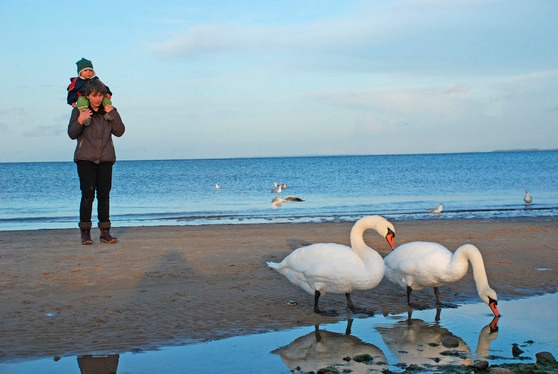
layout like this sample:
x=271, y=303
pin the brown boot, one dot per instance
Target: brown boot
x=85, y=229
x=105, y=233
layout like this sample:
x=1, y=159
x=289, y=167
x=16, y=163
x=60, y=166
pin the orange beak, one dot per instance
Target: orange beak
x=389, y=238
x=494, y=324
x=492, y=306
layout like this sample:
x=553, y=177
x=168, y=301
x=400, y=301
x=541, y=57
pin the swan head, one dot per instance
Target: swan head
x=378, y=223
x=489, y=296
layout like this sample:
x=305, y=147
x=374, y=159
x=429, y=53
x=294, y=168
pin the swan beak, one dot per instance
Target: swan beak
x=492, y=306
x=494, y=324
x=389, y=238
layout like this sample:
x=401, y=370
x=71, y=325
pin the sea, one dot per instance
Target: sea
x=46, y=195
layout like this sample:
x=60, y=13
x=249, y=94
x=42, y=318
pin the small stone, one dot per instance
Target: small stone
x=480, y=365
x=56, y=358
x=516, y=351
x=498, y=370
x=328, y=370
x=450, y=342
x=363, y=357
x=545, y=357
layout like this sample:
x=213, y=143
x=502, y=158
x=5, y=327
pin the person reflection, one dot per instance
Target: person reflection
x=322, y=348
x=98, y=364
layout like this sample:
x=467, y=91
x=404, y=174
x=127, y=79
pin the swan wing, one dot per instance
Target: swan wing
x=418, y=265
x=326, y=267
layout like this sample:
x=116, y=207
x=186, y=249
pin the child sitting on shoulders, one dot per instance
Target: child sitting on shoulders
x=76, y=98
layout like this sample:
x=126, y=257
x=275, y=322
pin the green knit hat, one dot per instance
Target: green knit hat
x=84, y=64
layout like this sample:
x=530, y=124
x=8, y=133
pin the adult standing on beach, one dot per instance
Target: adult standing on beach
x=95, y=156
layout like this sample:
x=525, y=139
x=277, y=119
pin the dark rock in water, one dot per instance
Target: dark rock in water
x=545, y=357
x=516, y=351
x=480, y=366
x=328, y=370
x=363, y=358
x=450, y=342
x=56, y=358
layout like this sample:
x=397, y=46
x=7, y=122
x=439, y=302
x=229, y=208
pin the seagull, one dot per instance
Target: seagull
x=528, y=199
x=437, y=210
x=277, y=202
x=282, y=185
x=217, y=186
x=278, y=189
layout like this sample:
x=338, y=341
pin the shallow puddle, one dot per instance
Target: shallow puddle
x=460, y=336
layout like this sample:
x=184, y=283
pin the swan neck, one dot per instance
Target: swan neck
x=470, y=253
x=357, y=239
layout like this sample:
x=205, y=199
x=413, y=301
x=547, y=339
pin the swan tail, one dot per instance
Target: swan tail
x=274, y=265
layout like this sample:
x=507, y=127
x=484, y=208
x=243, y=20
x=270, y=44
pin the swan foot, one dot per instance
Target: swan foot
x=418, y=306
x=447, y=305
x=364, y=311
x=326, y=313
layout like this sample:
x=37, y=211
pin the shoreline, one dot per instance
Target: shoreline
x=224, y=220
x=174, y=285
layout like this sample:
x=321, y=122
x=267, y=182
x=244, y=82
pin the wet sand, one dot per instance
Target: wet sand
x=161, y=286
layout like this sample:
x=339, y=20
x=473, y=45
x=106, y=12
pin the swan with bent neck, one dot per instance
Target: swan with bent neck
x=324, y=268
x=416, y=265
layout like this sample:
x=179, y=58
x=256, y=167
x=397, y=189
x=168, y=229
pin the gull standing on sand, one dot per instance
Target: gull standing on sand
x=528, y=199
x=437, y=210
x=334, y=268
x=277, y=202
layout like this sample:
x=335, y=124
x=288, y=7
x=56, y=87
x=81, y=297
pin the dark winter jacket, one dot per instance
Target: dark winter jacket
x=94, y=142
x=76, y=86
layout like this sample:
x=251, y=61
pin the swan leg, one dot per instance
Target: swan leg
x=439, y=302
x=316, y=300
x=352, y=308
x=317, y=333
x=349, y=301
x=437, y=294
x=317, y=308
x=349, y=326
x=438, y=312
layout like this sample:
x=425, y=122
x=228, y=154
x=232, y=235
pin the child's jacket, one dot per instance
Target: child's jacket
x=75, y=89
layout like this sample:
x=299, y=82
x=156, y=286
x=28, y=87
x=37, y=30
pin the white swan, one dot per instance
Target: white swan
x=528, y=199
x=416, y=265
x=334, y=268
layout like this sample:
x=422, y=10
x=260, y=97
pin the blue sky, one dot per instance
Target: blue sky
x=213, y=79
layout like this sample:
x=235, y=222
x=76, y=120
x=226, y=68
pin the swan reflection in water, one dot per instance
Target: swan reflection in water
x=322, y=348
x=415, y=341
x=98, y=364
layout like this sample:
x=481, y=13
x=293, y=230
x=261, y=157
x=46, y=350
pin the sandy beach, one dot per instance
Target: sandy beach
x=161, y=286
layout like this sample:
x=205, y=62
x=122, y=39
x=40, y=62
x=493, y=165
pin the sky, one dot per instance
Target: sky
x=226, y=79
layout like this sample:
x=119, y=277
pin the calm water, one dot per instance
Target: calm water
x=531, y=323
x=337, y=188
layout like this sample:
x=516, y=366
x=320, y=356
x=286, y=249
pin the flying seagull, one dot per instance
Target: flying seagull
x=277, y=202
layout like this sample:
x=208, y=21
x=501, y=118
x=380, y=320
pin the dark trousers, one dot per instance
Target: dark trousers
x=94, y=177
